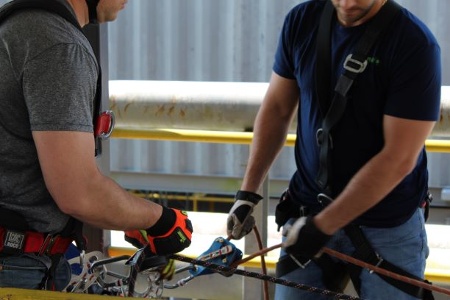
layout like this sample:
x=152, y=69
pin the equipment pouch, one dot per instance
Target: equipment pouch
x=285, y=209
x=426, y=205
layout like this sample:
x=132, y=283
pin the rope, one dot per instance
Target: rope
x=385, y=272
x=361, y=264
x=230, y=270
x=263, y=263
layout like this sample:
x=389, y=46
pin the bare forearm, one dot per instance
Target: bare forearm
x=106, y=205
x=268, y=140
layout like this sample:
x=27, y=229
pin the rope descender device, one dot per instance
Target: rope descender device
x=222, y=252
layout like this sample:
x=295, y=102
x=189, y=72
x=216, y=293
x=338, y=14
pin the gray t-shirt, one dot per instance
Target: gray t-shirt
x=48, y=76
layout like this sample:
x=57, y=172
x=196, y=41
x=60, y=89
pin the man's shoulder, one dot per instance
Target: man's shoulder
x=410, y=27
x=42, y=30
x=41, y=26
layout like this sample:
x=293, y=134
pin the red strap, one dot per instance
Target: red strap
x=36, y=242
x=33, y=241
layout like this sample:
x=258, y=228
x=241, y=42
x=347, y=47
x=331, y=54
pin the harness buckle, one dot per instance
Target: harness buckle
x=304, y=211
x=380, y=260
x=104, y=124
x=47, y=245
x=324, y=199
x=301, y=265
x=54, y=244
x=319, y=138
x=354, y=65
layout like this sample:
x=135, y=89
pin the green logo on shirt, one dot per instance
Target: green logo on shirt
x=373, y=60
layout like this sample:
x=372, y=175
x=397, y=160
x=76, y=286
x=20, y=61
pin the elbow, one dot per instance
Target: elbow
x=72, y=206
x=403, y=166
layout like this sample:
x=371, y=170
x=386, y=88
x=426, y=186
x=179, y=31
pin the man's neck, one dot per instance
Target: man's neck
x=81, y=11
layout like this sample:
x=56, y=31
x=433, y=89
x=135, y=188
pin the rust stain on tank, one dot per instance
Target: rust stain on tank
x=160, y=110
x=182, y=113
x=126, y=107
x=171, y=110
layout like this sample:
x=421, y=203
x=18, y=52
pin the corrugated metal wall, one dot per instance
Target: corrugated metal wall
x=198, y=40
x=220, y=40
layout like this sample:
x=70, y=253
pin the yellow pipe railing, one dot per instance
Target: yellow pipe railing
x=228, y=137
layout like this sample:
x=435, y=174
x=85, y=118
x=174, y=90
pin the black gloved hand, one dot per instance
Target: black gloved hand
x=171, y=233
x=304, y=240
x=240, y=220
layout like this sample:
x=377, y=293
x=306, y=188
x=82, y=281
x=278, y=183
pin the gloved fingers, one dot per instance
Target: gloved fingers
x=168, y=270
x=239, y=213
x=293, y=232
x=231, y=221
x=242, y=209
x=137, y=238
x=242, y=229
x=286, y=229
x=176, y=239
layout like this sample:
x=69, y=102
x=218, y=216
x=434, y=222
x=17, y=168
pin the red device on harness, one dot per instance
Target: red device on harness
x=104, y=124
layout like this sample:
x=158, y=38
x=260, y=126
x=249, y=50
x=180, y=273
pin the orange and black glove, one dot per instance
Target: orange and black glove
x=170, y=234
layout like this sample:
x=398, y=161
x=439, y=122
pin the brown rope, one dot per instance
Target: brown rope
x=263, y=264
x=361, y=264
x=385, y=272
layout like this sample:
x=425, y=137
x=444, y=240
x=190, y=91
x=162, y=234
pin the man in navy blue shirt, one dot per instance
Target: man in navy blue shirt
x=378, y=159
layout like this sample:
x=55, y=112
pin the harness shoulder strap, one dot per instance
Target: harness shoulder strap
x=354, y=64
x=323, y=57
x=51, y=6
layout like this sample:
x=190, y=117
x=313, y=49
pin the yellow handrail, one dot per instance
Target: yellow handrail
x=433, y=275
x=227, y=137
x=26, y=294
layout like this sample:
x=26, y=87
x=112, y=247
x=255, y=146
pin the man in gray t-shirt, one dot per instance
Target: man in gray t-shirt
x=48, y=171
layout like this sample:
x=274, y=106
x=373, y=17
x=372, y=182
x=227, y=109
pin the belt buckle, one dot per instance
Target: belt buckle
x=47, y=245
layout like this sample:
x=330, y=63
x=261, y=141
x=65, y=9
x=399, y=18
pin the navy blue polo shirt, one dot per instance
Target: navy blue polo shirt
x=402, y=79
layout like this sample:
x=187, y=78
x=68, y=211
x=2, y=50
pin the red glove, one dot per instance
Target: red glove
x=171, y=233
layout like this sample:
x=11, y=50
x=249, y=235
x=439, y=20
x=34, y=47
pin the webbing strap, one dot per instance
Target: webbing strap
x=354, y=64
x=366, y=253
x=323, y=57
x=51, y=6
